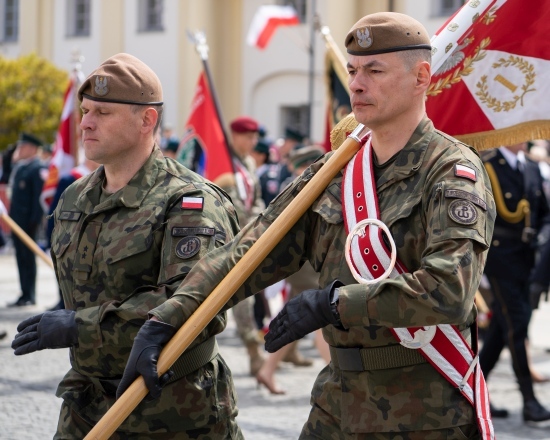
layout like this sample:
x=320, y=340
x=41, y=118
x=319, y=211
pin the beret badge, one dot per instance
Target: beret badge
x=101, y=88
x=364, y=38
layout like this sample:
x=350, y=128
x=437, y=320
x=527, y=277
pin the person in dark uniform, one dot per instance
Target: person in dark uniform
x=25, y=210
x=522, y=209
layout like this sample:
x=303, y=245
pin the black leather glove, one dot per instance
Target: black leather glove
x=535, y=292
x=307, y=312
x=56, y=329
x=148, y=343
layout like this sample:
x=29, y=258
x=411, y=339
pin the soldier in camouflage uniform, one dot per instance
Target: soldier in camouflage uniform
x=124, y=238
x=391, y=392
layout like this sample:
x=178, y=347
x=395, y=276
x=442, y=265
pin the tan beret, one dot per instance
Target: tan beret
x=386, y=32
x=123, y=79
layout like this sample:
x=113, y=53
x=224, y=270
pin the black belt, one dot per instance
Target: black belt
x=187, y=363
x=376, y=358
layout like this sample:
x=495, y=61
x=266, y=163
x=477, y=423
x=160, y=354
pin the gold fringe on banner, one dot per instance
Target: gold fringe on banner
x=526, y=131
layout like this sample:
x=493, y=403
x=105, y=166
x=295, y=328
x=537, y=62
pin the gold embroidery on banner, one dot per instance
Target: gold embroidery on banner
x=467, y=68
x=493, y=103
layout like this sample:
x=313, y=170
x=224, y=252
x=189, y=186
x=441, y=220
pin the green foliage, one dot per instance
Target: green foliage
x=31, y=98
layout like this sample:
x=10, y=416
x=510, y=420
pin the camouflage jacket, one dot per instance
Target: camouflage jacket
x=118, y=259
x=445, y=260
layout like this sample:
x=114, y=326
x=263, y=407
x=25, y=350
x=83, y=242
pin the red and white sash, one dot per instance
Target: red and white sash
x=448, y=351
x=245, y=184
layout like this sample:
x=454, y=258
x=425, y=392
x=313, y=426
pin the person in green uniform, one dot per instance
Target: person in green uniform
x=125, y=236
x=434, y=196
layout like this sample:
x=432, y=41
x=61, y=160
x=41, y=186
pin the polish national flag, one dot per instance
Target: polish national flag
x=492, y=86
x=66, y=144
x=267, y=19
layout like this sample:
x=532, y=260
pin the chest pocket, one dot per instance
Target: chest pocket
x=125, y=259
x=329, y=205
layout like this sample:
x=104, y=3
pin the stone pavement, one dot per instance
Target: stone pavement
x=29, y=408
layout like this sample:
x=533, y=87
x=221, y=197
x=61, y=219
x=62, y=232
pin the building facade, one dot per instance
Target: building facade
x=274, y=85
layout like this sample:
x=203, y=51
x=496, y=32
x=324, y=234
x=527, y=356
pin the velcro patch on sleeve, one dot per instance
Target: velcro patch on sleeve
x=466, y=172
x=460, y=194
x=196, y=203
x=463, y=212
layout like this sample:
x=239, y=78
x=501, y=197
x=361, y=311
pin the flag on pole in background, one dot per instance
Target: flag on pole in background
x=266, y=20
x=493, y=85
x=66, y=144
x=203, y=148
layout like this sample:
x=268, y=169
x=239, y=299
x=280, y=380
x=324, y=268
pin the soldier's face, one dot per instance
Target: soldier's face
x=110, y=132
x=382, y=88
x=244, y=143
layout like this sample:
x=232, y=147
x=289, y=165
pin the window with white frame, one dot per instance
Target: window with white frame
x=151, y=15
x=78, y=18
x=446, y=8
x=9, y=20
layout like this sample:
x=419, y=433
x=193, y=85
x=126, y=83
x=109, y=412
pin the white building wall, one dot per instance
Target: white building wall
x=159, y=50
x=64, y=46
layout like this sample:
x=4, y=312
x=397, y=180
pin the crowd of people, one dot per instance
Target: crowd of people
x=140, y=242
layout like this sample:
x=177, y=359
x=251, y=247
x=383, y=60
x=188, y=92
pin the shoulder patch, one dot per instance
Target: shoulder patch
x=460, y=194
x=463, y=212
x=188, y=247
x=466, y=172
x=192, y=203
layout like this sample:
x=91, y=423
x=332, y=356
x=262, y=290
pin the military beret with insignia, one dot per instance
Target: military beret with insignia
x=386, y=32
x=123, y=79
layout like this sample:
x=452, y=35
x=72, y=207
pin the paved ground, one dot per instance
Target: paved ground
x=29, y=408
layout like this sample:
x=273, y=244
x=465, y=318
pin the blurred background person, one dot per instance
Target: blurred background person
x=522, y=210
x=26, y=181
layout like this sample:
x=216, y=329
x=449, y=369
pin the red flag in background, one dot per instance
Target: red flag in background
x=266, y=20
x=66, y=144
x=203, y=148
x=493, y=87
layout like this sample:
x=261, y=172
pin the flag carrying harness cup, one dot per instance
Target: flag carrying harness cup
x=370, y=261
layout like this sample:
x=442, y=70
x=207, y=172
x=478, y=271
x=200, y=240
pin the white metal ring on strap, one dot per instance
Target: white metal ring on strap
x=360, y=230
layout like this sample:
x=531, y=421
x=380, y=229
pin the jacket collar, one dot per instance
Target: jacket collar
x=131, y=196
x=410, y=158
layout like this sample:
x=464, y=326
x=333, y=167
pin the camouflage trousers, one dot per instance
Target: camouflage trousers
x=72, y=427
x=247, y=329
x=322, y=426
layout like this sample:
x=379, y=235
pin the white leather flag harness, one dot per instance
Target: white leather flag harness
x=370, y=261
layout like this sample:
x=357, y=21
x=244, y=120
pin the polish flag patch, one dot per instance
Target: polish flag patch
x=192, y=203
x=466, y=172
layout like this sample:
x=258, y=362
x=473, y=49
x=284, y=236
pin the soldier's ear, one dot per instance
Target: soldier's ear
x=149, y=119
x=423, y=75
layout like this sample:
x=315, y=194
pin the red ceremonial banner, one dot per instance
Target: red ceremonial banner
x=203, y=148
x=493, y=88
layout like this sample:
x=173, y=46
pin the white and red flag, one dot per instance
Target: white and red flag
x=493, y=86
x=266, y=20
x=203, y=148
x=66, y=142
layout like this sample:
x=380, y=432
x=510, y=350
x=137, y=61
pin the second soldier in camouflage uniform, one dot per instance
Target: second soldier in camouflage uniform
x=391, y=393
x=124, y=238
